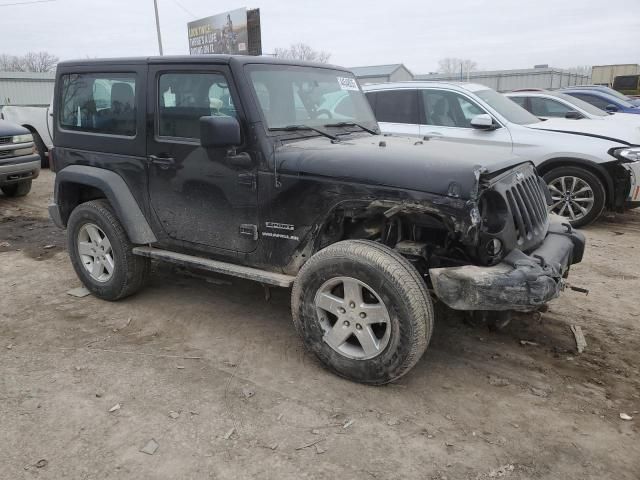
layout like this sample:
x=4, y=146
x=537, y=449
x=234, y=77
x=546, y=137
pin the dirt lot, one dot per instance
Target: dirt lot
x=217, y=377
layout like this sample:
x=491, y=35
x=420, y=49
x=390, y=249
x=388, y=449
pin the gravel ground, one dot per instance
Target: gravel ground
x=215, y=374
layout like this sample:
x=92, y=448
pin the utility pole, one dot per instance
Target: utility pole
x=155, y=6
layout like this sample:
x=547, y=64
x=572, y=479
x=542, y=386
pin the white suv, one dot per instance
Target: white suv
x=586, y=172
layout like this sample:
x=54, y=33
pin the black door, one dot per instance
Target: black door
x=199, y=195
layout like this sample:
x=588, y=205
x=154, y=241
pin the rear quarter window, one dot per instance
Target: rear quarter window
x=397, y=106
x=99, y=103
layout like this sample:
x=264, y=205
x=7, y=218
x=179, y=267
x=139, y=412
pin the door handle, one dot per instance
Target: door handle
x=162, y=162
x=433, y=134
x=242, y=160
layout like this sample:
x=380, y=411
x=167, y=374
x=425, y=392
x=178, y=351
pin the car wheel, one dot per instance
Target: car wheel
x=363, y=310
x=17, y=189
x=101, y=252
x=577, y=194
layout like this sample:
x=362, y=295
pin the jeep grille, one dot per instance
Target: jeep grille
x=4, y=140
x=528, y=206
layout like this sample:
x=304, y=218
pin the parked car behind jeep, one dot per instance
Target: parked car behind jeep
x=243, y=166
x=37, y=121
x=587, y=171
x=19, y=164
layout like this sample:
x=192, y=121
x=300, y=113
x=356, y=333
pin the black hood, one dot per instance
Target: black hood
x=427, y=166
x=8, y=129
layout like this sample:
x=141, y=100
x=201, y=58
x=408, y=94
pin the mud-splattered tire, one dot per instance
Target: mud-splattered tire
x=363, y=310
x=17, y=189
x=127, y=273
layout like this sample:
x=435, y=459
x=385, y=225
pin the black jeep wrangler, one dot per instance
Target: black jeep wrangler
x=276, y=172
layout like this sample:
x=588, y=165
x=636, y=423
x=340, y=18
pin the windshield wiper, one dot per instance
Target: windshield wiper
x=352, y=124
x=293, y=128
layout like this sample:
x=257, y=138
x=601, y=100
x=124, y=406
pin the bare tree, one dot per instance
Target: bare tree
x=302, y=51
x=581, y=70
x=453, y=66
x=30, y=62
x=9, y=63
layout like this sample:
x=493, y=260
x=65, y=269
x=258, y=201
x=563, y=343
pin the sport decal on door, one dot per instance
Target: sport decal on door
x=280, y=226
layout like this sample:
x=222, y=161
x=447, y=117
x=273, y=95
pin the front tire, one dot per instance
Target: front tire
x=363, y=310
x=577, y=194
x=17, y=189
x=101, y=252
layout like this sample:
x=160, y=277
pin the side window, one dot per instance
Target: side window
x=448, y=109
x=544, y=107
x=371, y=98
x=522, y=101
x=592, y=99
x=397, y=106
x=99, y=103
x=185, y=97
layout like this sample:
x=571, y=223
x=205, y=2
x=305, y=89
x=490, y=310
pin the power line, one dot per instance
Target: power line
x=25, y=3
x=183, y=8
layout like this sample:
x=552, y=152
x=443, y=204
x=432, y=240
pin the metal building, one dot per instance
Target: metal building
x=26, y=88
x=396, y=72
x=508, y=80
x=605, y=74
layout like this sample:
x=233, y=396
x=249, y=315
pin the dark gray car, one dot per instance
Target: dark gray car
x=19, y=162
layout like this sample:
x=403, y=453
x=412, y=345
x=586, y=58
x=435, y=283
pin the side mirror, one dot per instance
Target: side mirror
x=483, y=122
x=219, y=132
x=572, y=114
x=611, y=108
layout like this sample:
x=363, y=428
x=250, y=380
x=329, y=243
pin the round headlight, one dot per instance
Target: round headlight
x=493, y=210
x=494, y=247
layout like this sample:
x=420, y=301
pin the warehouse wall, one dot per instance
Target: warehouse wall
x=367, y=80
x=22, y=88
x=508, y=80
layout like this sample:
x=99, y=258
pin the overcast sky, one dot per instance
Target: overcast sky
x=497, y=34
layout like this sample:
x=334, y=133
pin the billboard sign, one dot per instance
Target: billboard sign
x=228, y=33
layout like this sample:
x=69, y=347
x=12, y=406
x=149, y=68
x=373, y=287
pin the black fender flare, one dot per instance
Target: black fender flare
x=596, y=168
x=117, y=192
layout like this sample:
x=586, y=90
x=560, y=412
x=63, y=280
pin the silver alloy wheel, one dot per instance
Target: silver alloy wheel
x=572, y=197
x=356, y=324
x=94, y=249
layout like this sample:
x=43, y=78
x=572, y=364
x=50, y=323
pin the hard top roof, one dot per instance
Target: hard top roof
x=193, y=59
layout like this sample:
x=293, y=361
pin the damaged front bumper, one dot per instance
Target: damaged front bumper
x=633, y=198
x=520, y=282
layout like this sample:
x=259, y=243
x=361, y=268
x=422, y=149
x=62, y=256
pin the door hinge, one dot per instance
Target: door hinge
x=247, y=179
x=249, y=230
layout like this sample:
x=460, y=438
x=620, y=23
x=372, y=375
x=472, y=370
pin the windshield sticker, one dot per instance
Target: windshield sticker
x=347, y=83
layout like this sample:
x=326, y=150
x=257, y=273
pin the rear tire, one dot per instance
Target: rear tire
x=381, y=335
x=586, y=188
x=17, y=189
x=101, y=252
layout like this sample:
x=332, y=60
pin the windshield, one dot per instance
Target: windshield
x=615, y=93
x=309, y=96
x=620, y=101
x=581, y=104
x=507, y=107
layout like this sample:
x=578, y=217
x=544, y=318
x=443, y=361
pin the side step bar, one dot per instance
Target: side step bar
x=262, y=276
